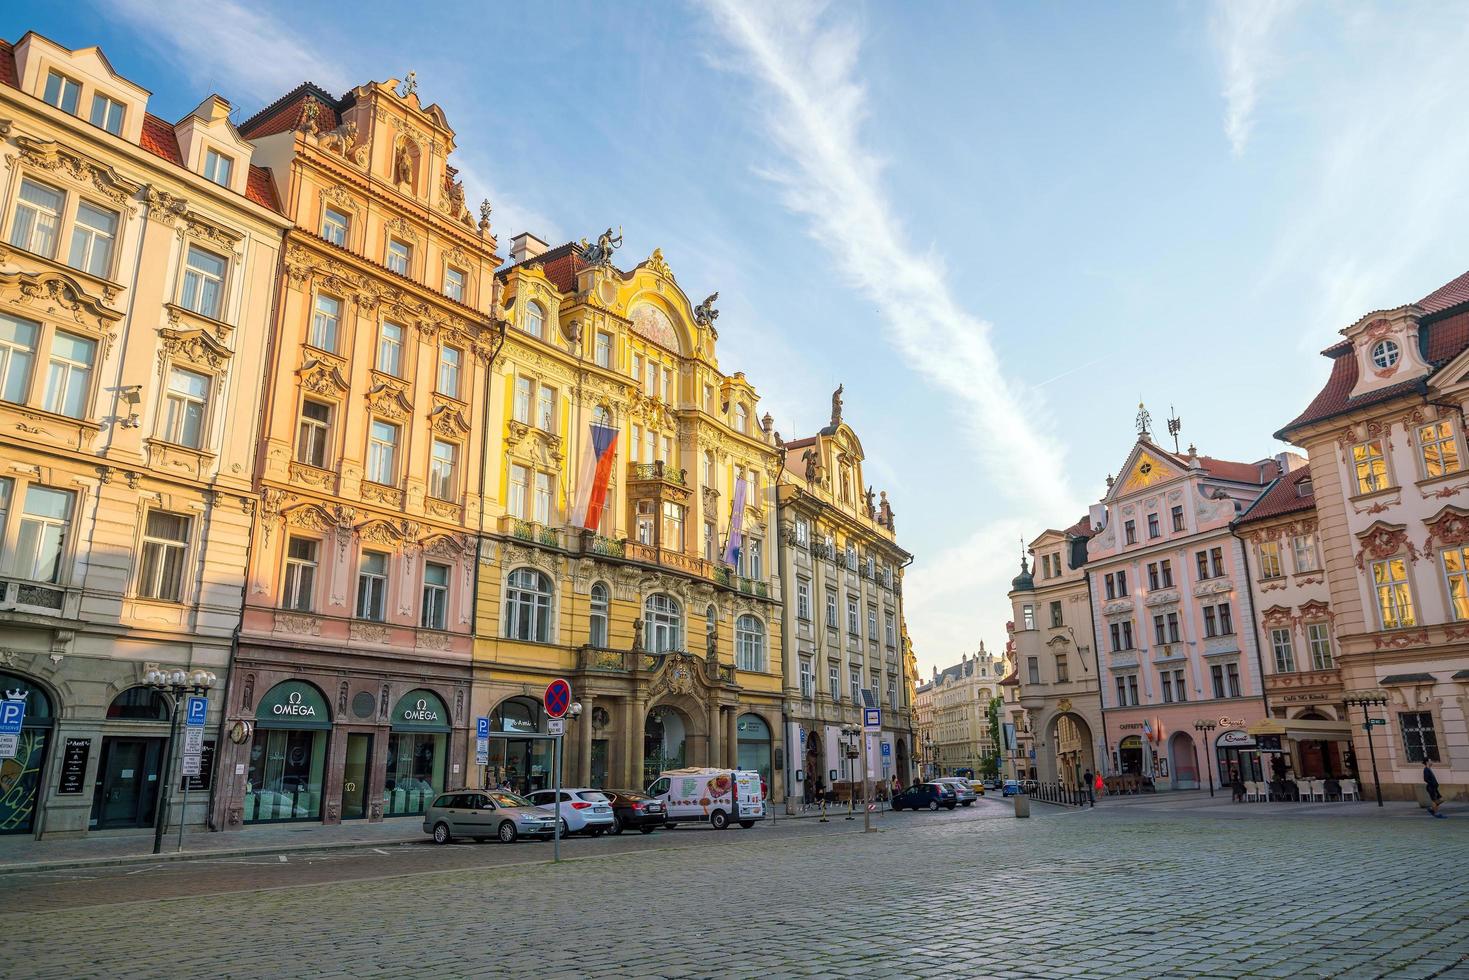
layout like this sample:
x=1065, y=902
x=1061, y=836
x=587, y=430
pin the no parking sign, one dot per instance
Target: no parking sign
x=558, y=698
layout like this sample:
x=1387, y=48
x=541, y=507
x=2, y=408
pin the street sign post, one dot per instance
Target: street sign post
x=872, y=719
x=9, y=746
x=197, y=709
x=193, y=741
x=556, y=726
x=558, y=698
x=12, y=713
x=558, y=702
x=482, y=728
x=1375, y=721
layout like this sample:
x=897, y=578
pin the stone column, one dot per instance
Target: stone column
x=635, y=742
x=584, y=744
x=732, y=738
x=713, y=757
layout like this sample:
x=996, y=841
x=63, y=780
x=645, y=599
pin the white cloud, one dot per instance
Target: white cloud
x=1246, y=34
x=813, y=106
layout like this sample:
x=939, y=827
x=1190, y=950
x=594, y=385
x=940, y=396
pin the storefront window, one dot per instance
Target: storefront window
x=288, y=755
x=523, y=764
x=20, y=776
x=1237, y=754
x=417, y=747
x=754, y=746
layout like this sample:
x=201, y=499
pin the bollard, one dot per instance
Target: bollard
x=1022, y=805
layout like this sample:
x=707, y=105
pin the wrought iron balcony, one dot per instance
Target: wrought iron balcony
x=639, y=472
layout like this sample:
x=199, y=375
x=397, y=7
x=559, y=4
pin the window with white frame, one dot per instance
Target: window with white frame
x=521, y=409
x=855, y=676
x=831, y=609
x=754, y=556
x=808, y=679
x=1370, y=467
x=519, y=496
x=313, y=433
x=161, y=565
x=1270, y=564
x=543, y=498
x=663, y=623
x=450, y=362
x=890, y=630
x=1285, y=656
x=390, y=349
x=803, y=599
x=400, y=255
x=602, y=352
x=107, y=113
x=1439, y=448
x=454, y=280
x=528, y=606
x=535, y=319
x=218, y=167
x=62, y=92
x=1456, y=575
x=650, y=384
x=1303, y=549
x=872, y=623
x=833, y=681
x=434, y=613
x=1027, y=617
x=741, y=418
x=637, y=368
x=36, y=226
x=443, y=470
x=203, y=283
x=382, y=452
x=334, y=225
x=186, y=405
x=1385, y=353
x=93, y=233
x=326, y=322
x=18, y=339
x=298, y=591
x=600, y=616
x=1318, y=635
x=803, y=533
x=546, y=408
x=854, y=627
x=1394, y=600
x=372, y=586
x=749, y=644
x=69, y=374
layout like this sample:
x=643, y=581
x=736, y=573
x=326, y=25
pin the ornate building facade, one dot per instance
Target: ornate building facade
x=136, y=280
x=962, y=694
x=1055, y=656
x=662, y=607
x=845, y=635
x=1385, y=437
x=349, y=696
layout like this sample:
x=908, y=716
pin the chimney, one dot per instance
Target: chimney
x=525, y=246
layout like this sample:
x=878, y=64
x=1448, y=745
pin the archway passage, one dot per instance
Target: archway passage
x=1071, y=740
x=665, y=741
x=1184, y=760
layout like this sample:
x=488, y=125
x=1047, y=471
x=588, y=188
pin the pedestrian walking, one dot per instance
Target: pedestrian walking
x=1097, y=787
x=1091, y=791
x=1236, y=786
x=1435, y=797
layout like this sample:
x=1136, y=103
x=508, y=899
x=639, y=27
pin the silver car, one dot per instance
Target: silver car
x=482, y=814
x=962, y=789
x=583, y=810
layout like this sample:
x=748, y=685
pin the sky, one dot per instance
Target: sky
x=1000, y=226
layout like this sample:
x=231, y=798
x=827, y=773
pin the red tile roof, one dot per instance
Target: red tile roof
x=1257, y=473
x=285, y=113
x=159, y=139
x=260, y=188
x=1282, y=497
x=1082, y=528
x=1450, y=294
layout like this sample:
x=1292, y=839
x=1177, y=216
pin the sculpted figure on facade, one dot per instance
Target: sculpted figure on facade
x=600, y=254
x=705, y=314
x=836, y=406
x=885, y=513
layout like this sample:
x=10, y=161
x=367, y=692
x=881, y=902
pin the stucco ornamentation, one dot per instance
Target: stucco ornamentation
x=52, y=156
x=1381, y=541
x=369, y=633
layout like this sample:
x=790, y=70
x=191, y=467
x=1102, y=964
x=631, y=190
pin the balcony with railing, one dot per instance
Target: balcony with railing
x=657, y=471
x=531, y=531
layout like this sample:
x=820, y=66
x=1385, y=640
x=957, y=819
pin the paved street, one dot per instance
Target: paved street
x=1125, y=890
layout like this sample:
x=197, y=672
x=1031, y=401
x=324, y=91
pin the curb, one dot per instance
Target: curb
x=126, y=859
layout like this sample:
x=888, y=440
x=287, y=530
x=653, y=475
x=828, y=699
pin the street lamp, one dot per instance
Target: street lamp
x=176, y=682
x=929, y=756
x=1206, y=726
x=1366, y=699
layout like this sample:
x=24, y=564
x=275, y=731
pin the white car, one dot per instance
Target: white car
x=583, y=810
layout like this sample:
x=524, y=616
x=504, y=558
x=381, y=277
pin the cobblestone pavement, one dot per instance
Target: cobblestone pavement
x=1136, y=892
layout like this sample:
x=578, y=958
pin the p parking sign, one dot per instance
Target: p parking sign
x=12, y=713
x=195, y=709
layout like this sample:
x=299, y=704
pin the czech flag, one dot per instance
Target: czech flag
x=736, y=540
x=595, y=474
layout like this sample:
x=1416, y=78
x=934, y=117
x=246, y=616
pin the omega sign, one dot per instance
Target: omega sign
x=293, y=706
x=420, y=712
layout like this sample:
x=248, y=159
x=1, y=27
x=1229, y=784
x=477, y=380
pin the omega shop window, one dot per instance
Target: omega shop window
x=417, y=748
x=288, y=755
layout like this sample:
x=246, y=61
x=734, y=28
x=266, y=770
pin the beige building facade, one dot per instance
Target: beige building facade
x=961, y=701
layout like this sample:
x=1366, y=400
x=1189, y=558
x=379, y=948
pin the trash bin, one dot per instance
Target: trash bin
x=1022, y=805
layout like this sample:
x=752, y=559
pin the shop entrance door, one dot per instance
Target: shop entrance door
x=127, y=787
x=354, y=775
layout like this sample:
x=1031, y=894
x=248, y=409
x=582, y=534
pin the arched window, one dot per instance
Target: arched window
x=711, y=619
x=663, y=620
x=597, y=631
x=139, y=704
x=517, y=715
x=528, y=606
x=535, y=320
x=742, y=418
x=749, y=644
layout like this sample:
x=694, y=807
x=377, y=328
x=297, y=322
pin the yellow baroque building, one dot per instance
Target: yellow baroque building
x=673, y=654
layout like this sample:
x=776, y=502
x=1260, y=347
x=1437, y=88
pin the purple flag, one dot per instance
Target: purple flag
x=736, y=542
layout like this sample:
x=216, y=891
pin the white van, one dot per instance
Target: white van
x=715, y=796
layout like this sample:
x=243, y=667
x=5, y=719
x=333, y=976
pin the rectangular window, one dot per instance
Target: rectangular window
x=1211, y=626
x=808, y=679
x=1370, y=467
x=443, y=475
x=651, y=385
x=372, y=586
x=1420, y=741
x=1129, y=529
x=1319, y=637
x=1304, y=548
x=1226, y=620
x=711, y=541
x=1216, y=674
x=1056, y=620
x=161, y=567
x=41, y=539
x=299, y=592
x=382, y=453
x=1027, y=617
x=1231, y=674
x=831, y=609
x=1063, y=669
x=326, y=321
x=454, y=285
x=1132, y=689
x=203, y=287
x=1121, y=692
x=69, y=374
x=1178, y=518
x=1111, y=585
x=1440, y=449
x=1456, y=574
x=37, y=224
x=435, y=612
x=1121, y=584
x=107, y=113
x=1216, y=562
x=650, y=445
x=854, y=627
x=519, y=502
x=546, y=408
x=757, y=561
x=186, y=405
x=1285, y=657
x=62, y=92
x=17, y=356
x=1033, y=669
x=1394, y=601
x=1173, y=627
x=313, y=434
x=1180, y=691
x=637, y=367
x=523, y=388
x=872, y=623
x=803, y=599
x=1115, y=630
x=667, y=387
x=602, y=354
x=856, y=678
x=1127, y=634
x=890, y=630
x=1167, y=685
x=1160, y=636
x=92, y=236
x=833, y=682
x=334, y=227
x=390, y=349
x=673, y=527
x=218, y=167
x=450, y=360
x=1152, y=576
x=1166, y=567
x=543, y=498
x=1202, y=557
x=1153, y=529
x=399, y=255
x=1270, y=566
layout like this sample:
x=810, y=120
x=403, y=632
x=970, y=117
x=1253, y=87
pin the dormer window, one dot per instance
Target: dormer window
x=62, y=92
x=742, y=418
x=107, y=113
x=1385, y=354
x=217, y=167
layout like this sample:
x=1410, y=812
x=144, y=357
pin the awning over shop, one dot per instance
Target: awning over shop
x=1303, y=729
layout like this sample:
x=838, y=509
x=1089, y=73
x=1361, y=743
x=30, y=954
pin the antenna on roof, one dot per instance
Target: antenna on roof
x=1174, y=425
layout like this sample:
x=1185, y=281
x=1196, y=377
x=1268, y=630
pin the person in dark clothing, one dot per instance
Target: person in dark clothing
x=1091, y=793
x=1237, y=786
x=1435, y=797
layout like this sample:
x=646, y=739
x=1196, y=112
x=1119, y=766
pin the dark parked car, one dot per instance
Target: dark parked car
x=926, y=796
x=634, y=811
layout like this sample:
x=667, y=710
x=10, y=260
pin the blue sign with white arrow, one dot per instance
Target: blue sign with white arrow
x=194, y=711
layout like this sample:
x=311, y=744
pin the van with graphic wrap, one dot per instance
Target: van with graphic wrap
x=713, y=796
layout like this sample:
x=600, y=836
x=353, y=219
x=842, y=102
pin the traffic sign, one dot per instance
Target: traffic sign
x=887, y=749
x=193, y=741
x=1376, y=721
x=9, y=746
x=191, y=764
x=482, y=751
x=558, y=698
x=872, y=719
x=482, y=728
x=196, y=709
x=12, y=713
x=556, y=726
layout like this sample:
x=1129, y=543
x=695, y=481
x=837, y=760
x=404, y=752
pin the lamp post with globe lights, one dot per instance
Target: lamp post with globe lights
x=1366, y=699
x=177, y=683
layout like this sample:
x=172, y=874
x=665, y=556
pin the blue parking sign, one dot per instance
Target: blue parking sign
x=887, y=748
x=482, y=728
x=12, y=713
x=194, y=711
